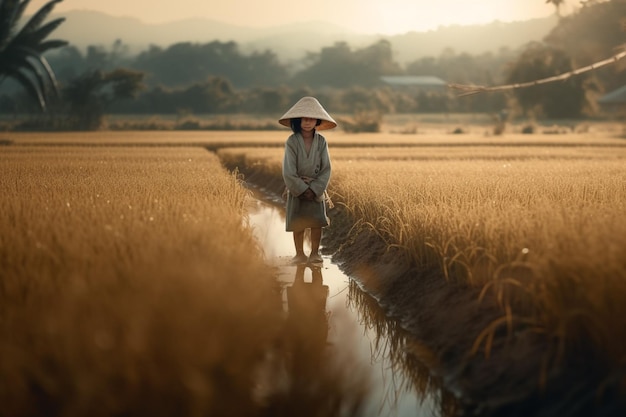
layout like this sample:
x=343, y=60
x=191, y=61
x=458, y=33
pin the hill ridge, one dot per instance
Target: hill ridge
x=83, y=28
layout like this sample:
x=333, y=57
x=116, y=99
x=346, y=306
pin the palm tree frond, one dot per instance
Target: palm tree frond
x=38, y=18
x=43, y=62
x=36, y=36
x=24, y=60
x=38, y=77
x=9, y=18
x=21, y=52
x=51, y=44
x=19, y=11
x=50, y=72
x=30, y=86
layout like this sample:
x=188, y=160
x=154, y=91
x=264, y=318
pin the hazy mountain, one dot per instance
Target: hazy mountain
x=474, y=39
x=83, y=28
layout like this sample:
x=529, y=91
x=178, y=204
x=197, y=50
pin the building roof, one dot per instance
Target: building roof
x=418, y=80
x=614, y=97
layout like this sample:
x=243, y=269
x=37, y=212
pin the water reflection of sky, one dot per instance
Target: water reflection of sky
x=351, y=340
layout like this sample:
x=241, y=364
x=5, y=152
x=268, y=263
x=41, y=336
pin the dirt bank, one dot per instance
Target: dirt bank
x=518, y=371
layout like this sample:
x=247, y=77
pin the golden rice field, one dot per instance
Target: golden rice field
x=106, y=248
x=216, y=139
x=541, y=229
x=129, y=284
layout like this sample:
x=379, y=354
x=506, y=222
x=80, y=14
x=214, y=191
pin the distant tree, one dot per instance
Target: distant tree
x=186, y=63
x=333, y=66
x=432, y=102
x=215, y=95
x=258, y=69
x=596, y=32
x=485, y=69
x=565, y=99
x=359, y=99
x=212, y=96
x=21, y=51
x=557, y=5
x=70, y=62
x=88, y=96
x=378, y=59
x=364, y=100
x=593, y=40
x=266, y=100
x=340, y=66
x=298, y=93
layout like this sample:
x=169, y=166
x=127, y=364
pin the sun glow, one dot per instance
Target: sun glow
x=365, y=16
x=401, y=16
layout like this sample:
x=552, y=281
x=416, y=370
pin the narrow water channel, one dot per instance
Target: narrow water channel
x=350, y=334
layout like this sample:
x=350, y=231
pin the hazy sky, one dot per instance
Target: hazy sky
x=367, y=16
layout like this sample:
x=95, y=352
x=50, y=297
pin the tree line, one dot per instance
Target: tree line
x=217, y=78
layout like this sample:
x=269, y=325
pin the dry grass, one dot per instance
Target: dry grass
x=130, y=285
x=407, y=356
x=69, y=209
x=555, y=230
x=337, y=139
x=145, y=138
x=118, y=282
x=540, y=229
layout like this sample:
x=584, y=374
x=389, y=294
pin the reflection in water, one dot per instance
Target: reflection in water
x=307, y=379
x=339, y=355
x=409, y=360
x=307, y=321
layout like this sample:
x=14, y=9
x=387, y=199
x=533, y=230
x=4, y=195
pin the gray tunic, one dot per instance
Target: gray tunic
x=298, y=168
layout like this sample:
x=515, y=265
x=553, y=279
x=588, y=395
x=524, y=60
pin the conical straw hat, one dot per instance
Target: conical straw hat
x=308, y=107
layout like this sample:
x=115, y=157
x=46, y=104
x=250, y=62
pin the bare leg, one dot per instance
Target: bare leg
x=316, y=238
x=298, y=240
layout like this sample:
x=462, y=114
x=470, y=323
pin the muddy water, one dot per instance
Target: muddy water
x=351, y=335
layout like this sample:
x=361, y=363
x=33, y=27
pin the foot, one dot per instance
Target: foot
x=316, y=258
x=300, y=258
